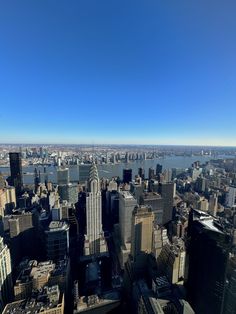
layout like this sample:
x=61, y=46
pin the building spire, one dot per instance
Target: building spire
x=93, y=173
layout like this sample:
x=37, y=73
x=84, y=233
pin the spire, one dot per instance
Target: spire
x=93, y=173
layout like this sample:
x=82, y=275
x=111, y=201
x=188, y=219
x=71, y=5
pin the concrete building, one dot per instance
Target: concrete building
x=57, y=240
x=35, y=275
x=160, y=239
x=142, y=229
x=126, y=206
x=203, y=204
x=5, y=275
x=171, y=262
x=7, y=200
x=156, y=202
x=213, y=204
x=167, y=191
x=48, y=300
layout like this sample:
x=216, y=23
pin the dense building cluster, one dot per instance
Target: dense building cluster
x=161, y=241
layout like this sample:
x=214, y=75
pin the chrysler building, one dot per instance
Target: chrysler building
x=94, y=239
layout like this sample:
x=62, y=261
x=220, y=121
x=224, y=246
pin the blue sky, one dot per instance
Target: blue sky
x=124, y=71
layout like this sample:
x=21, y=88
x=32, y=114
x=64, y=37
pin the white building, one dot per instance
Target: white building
x=5, y=275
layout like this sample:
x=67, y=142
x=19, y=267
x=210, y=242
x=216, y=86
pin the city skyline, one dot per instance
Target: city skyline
x=118, y=72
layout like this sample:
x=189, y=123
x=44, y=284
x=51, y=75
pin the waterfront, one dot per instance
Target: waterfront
x=111, y=170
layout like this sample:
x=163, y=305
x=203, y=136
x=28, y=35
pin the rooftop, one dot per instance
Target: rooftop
x=45, y=299
x=58, y=225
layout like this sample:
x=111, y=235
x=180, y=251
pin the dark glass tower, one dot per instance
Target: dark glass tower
x=207, y=257
x=127, y=175
x=158, y=169
x=16, y=172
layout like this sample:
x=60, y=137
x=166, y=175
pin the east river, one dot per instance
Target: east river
x=110, y=170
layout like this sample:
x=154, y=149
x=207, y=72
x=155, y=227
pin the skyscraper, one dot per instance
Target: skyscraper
x=207, y=257
x=5, y=275
x=158, y=169
x=62, y=176
x=16, y=172
x=141, y=238
x=127, y=175
x=94, y=242
x=141, y=173
x=167, y=191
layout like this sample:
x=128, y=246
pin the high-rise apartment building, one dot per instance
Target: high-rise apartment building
x=16, y=172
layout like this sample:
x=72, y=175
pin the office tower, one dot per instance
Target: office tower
x=230, y=295
x=203, y=204
x=84, y=173
x=94, y=242
x=57, y=240
x=136, y=188
x=126, y=206
x=159, y=239
x=21, y=228
x=112, y=186
x=158, y=169
x=127, y=175
x=127, y=157
x=155, y=201
x=62, y=176
x=36, y=180
x=141, y=173
x=68, y=192
x=2, y=181
x=151, y=173
x=16, y=172
x=167, y=192
x=200, y=184
x=141, y=234
x=112, y=207
x=7, y=200
x=213, y=204
x=171, y=261
x=208, y=248
x=5, y=275
x=196, y=172
x=167, y=175
x=231, y=197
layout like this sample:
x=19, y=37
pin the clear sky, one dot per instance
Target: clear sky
x=118, y=71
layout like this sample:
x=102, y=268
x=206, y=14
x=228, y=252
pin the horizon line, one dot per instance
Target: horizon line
x=122, y=144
